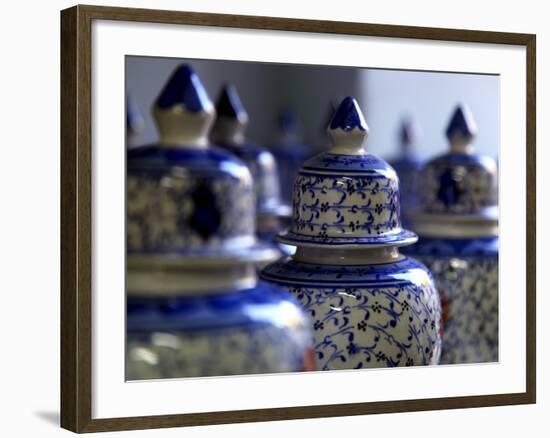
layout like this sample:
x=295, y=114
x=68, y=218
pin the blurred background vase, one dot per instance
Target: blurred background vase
x=370, y=306
x=458, y=227
x=228, y=132
x=195, y=306
x=408, y=165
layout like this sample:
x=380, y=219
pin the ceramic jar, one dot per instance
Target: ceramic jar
x=458, y=228
x=370, y=306
x=408, y=165
x=195, y=306
x=228, y=132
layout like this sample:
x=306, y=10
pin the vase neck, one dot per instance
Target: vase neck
x=337, y=256
x=163, y=280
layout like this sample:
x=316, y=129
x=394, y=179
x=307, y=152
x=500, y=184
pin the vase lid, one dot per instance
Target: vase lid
x=187, y=200
x=459, y=189
x=347, y=197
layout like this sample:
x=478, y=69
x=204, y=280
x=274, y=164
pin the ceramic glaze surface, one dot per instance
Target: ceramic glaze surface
x=459, y=183
x=183, y=199
x=340, y=206
x=366, y=316
x=258, y=330
x=466, y=274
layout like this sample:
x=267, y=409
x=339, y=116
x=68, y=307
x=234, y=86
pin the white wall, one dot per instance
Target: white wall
x=430, y=99
x=29, y=231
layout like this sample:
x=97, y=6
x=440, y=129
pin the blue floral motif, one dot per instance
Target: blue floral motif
x=366, y=315
x=317, y=212
x=241, y=332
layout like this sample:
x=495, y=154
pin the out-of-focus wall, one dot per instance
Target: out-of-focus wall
x=386, y=96
x=429, y=98
x=265, y=89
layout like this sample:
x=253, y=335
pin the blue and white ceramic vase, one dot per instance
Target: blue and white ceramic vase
x=228, y=132
x=458, y=228
x=408, y=165
x=370, y=306
x=195, y=306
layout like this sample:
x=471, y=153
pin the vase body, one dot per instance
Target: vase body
x=365, y=316
x=466, y=274
x=245, y=331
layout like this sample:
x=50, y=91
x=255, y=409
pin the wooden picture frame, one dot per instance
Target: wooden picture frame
x=76, y=217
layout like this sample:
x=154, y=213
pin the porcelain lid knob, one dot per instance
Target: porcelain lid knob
x=348, y=129
x=183, y=111
x=232, y=118
x=461, y=130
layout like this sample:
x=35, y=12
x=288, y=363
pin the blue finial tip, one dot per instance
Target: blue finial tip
x=462, y=124
x=184, y=88
x=348, y=116
x=229, y=104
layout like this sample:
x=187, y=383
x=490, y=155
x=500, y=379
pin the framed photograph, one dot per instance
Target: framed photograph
x=235, y=249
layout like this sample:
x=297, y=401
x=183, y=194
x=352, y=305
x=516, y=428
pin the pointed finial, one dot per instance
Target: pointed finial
x=461, y=129
x=348, y=128
x=408, y=133
x=232, y=118
x=229, y=104
x=183, y=111
x=184, y=88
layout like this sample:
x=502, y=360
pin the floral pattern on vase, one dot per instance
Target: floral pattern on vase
x=170, y=209
x=329, y=206
x=466, y=273
x=458, y=184
x=366, y=316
